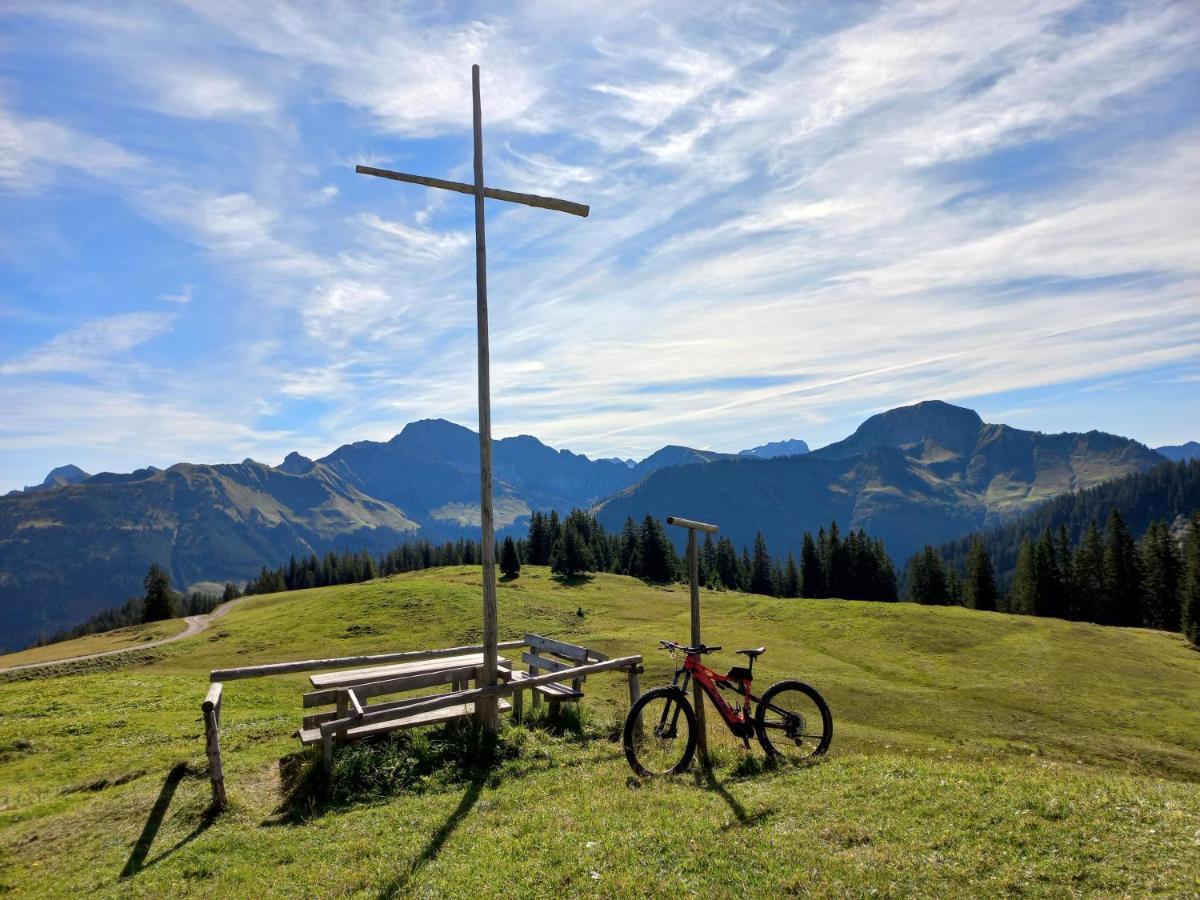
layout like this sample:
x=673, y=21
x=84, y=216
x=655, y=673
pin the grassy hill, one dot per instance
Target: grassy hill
x=974, y=753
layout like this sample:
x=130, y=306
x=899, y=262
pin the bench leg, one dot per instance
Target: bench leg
x=327, y=751
x=554, y=708
x=518, y=704
x=537, y=698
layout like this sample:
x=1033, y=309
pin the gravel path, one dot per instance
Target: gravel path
x=195, y=625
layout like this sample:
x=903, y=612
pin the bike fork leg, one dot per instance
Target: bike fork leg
x=678, y=706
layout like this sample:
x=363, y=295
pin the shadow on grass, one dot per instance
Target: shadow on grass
x=573, y=580
x=141, y=848
x=707, y=779
x=397, y=885
x=417, y=761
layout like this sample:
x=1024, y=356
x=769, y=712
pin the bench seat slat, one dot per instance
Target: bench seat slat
x=558, y=692
x=433, y=717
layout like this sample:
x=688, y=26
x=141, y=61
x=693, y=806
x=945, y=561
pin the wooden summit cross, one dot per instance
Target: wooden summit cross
x=486, y=708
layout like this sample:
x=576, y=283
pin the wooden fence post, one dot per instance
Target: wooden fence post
x=211, y=711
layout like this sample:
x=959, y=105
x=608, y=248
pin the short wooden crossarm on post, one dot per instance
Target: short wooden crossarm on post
x=210, y=709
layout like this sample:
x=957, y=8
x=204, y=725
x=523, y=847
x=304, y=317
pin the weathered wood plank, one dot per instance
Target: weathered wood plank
x=314, y=719
x=307, y=665
x=559, y=692
x=545, y=662
x=369, y=689
x=210, y=710
x=398, y=723
x=567, y=206
x=319, y=698
x=499, y=690
x=212, y=701
x=352, y=677
x=688, y=523
x=560, y=648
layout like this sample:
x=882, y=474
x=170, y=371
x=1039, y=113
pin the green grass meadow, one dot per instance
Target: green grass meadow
x=974, y=754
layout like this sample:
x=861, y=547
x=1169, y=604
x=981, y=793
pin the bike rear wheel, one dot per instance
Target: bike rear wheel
x=660, y=733
x=793, y=721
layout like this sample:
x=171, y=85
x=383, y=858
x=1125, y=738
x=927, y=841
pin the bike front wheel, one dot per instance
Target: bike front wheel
x=660, y=733
x=793, y=721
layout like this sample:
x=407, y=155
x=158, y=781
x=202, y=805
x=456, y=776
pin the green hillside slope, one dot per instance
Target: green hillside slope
x=974, y=754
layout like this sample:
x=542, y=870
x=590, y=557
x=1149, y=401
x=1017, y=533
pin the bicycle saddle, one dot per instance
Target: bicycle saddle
x=757, y=651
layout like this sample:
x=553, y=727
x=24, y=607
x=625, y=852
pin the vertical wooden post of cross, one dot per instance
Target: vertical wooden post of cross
x=486, y=707
x=694, y=580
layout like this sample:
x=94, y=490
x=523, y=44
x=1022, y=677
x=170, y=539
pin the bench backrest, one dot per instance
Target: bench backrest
x=545, y=650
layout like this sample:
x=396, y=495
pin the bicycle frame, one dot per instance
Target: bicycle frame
x=738, y=721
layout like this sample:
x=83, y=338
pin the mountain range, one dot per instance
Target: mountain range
x=1181, y=452
x=914, y=475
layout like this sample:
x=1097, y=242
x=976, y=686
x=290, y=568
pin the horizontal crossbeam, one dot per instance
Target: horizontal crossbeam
x=575, y=209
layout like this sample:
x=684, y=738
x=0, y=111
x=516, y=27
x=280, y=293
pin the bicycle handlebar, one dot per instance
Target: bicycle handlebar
x=703, y=648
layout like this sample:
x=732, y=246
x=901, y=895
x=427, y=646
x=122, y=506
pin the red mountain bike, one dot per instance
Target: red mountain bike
x=792, y=720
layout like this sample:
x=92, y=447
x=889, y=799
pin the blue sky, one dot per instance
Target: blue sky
x=802, y=213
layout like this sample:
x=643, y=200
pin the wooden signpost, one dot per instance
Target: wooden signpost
x=694, y=579
x=488, y=715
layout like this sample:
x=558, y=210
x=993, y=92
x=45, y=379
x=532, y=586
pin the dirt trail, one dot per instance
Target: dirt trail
x=195, y=625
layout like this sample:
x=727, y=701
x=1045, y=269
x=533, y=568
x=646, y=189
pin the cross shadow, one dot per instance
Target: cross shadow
x=397, y=885
x=141, y=848
x=707, y=779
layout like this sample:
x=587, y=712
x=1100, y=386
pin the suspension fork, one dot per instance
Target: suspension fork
x=686, y=677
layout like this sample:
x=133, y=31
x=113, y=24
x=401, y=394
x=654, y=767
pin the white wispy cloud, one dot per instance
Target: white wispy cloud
x=183, y=295
x=194, y=93
x=31, y=149
x=91, y=345
x=799, y=217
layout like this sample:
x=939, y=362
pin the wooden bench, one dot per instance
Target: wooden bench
x=552, y=655
x=349, y=690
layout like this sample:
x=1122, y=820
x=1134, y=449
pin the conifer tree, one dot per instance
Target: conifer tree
x=832, y=563
x=728, y=570
x=1122, y=574
x=708, y=562
x=980, y=589
x=629, y=562
x=574, y=554
x=541, y=544
x=230, y=593
x=927, y=580
x=1024, y=596
x=656, y=551
x=1087, y=583
x=159, y=601
x=1048, y=596
x=886, y=584
x=760, y=572
x=510, y=561
x=1065, y=562
x=1160, y=566
x=791, y=578
x=1189, y=594
x=812, y=573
